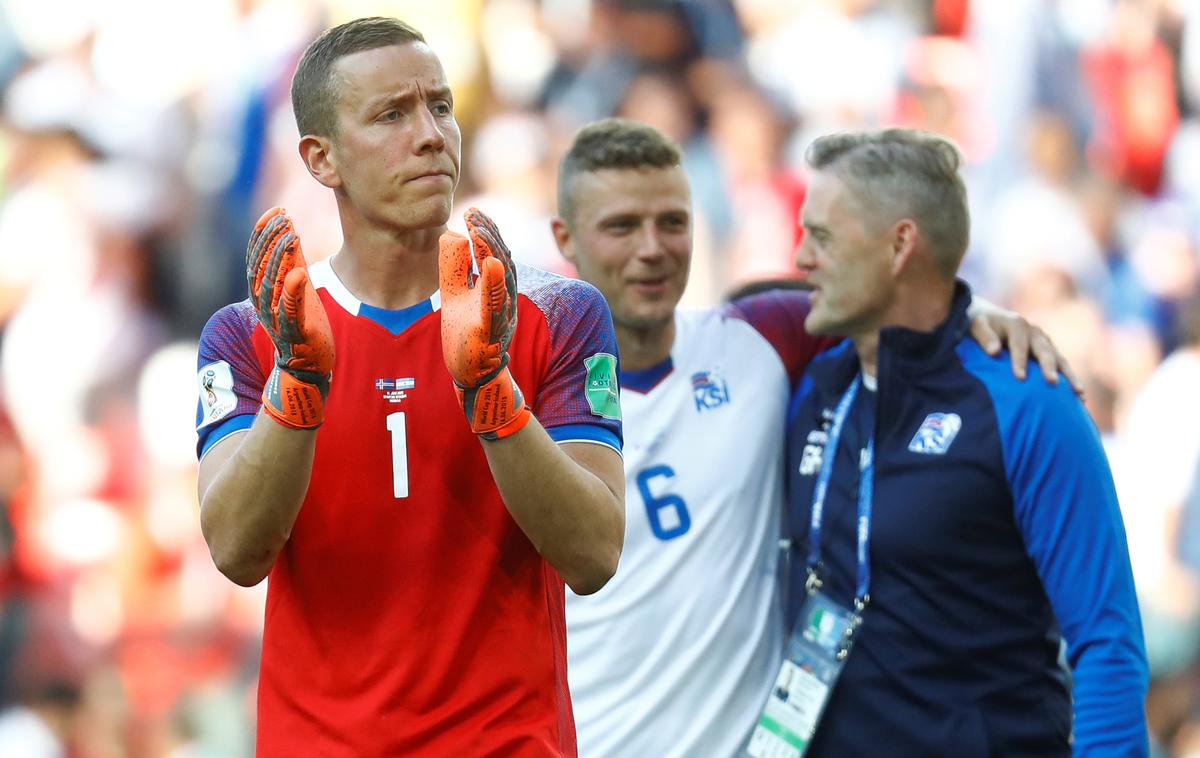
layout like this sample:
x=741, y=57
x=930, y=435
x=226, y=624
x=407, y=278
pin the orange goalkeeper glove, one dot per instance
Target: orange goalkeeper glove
x=290, y=310
x=479, y=314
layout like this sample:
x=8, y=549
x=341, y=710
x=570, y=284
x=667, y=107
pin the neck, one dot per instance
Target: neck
x=921, y=309
x=645, y=347
x=387, y=269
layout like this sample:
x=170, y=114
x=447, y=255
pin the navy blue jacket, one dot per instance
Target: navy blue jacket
x=981, y=553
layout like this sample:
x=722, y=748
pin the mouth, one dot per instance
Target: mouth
x=431, y=176
x=655, y=286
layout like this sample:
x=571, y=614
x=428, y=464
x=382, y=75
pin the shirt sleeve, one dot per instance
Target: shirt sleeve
x=579, y=398
x=778, y=315
x=229, y=377
x=1066, y=509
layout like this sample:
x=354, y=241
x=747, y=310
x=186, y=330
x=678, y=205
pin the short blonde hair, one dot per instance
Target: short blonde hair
x=612, y=143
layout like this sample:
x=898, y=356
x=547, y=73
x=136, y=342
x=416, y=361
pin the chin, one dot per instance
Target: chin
x=645, y=318
x=429, y=213
x=818, y=326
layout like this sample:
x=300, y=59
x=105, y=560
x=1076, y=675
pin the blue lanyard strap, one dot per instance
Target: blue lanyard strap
x=866, y=491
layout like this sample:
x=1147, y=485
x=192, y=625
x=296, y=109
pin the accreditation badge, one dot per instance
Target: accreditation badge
x=816, y=652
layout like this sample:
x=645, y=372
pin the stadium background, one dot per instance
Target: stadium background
x=140, y=138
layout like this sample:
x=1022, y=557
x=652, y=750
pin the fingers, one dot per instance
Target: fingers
x=485, y=234
x=268, y=216
x=481, y=249
x=258, y=250
x=291, y=303
x=495, y=296
x=1052, y=361
x=279, y=263
x=479, y=221
x=454, y=262
x=1018, y=346
x=987, y=337
x=1067, y=371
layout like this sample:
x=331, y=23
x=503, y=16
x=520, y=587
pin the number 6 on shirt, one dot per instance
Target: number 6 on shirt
x=668, y=514
x=395, y=425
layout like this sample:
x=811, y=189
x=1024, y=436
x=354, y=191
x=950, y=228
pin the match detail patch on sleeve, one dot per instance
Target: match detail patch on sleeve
x=600, y=386
x=217, y=398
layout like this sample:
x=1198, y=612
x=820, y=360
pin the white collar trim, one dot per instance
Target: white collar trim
x=323, y=276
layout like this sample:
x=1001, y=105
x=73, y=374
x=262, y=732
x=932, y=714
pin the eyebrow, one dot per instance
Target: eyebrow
x=440, y=92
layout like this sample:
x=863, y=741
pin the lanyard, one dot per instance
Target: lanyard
x=865, y=499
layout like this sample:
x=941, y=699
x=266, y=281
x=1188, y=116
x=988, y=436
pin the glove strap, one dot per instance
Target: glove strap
x=296, y=399
x=495, y=409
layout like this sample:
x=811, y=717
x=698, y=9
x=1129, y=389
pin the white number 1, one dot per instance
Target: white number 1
x=395, y=425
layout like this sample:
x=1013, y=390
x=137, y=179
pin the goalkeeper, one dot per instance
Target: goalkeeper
x=416, y=440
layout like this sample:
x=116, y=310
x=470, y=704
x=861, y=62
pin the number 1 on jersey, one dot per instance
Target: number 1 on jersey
x=395, y=425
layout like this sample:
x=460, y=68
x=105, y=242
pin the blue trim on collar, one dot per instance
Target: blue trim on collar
x=645, y=379
x=396, y=321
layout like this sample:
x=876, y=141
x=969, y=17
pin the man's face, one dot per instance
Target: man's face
x=398, y=145
x=846, y=258
x=631, y=237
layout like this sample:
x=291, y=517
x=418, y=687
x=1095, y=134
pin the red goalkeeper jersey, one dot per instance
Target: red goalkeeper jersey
x=408, y=614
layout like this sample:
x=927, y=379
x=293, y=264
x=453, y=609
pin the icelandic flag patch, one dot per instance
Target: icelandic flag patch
x=937, y=431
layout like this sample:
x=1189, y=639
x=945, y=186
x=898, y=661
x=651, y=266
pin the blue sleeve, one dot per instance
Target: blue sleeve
x=229, y=376
x=1066, y=509
x=580, y=387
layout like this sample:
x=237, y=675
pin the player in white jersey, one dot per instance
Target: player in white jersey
x=676, y=655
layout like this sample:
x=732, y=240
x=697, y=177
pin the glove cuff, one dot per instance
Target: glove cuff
x=495, y=409
x=294, y=402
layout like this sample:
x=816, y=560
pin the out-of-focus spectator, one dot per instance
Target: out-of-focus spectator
x=41, y=725
x=1132, y=77
x=1159, y=462
x=1038, y=219
x=510, y=166
x=749, y=134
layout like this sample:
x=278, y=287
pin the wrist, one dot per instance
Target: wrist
x=296, y=399
x=495, y=409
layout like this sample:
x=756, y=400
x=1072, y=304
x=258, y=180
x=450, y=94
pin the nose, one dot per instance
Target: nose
x=649, y=242
x=429, y=137
x=806, y=260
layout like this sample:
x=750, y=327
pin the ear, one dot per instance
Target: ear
x=562, y=237
x=318, y=156
x=906, y=236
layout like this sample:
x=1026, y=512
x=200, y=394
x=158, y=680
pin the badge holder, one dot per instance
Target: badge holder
x=816, y=652
x=824, y=631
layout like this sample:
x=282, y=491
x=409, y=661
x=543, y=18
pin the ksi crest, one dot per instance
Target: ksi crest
x=709, y=390
x=937, y=431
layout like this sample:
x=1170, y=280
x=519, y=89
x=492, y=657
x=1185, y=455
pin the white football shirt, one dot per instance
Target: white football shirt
x=676, y=655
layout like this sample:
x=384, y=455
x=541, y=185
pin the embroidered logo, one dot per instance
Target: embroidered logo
x=394, y=389
x=709, y=390
x=814, y=447
x=600, y=386
x=216, y=391
x=937, y=431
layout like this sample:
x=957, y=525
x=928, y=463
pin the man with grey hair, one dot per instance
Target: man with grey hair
x=675, y=656
x=952, y=527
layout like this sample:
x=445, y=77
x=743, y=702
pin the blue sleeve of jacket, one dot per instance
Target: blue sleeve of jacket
x=1066, y=508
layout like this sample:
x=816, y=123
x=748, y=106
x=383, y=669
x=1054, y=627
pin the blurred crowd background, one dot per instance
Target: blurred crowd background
x=139, y=140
